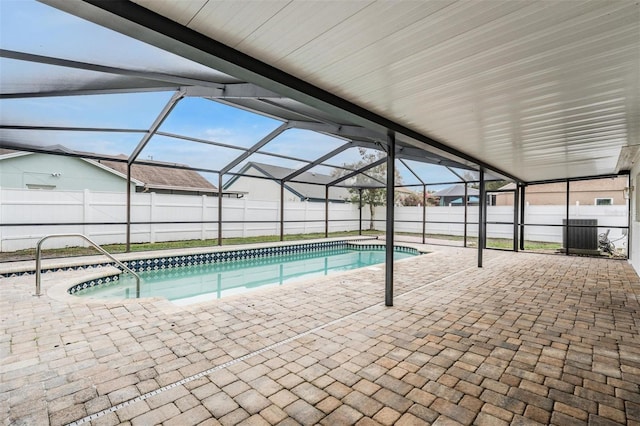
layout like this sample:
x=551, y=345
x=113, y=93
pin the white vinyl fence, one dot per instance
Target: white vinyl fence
x=245, y=218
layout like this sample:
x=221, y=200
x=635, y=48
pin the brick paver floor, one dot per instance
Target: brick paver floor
x=527, y=339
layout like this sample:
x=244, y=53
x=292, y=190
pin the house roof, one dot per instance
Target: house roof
x=455, y=191
x=149, y=176
x=314, y=190
x=162, y=177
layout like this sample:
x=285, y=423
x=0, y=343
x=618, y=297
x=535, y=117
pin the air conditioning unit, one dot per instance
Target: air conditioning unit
x=583, y=236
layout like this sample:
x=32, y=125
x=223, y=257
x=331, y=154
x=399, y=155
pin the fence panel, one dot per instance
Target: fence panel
x=259, y=217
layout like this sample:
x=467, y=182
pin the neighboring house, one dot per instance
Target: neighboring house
x=269, y=189
x=599, y=192
x=55, y=172
x=454, y=196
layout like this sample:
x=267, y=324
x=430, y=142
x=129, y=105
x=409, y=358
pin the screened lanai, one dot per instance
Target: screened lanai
x=152, y=83
x=148, y=122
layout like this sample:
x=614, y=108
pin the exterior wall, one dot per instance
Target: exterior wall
x=59, y=172
x=582, y=192
x=261, y=189
x=634, y=220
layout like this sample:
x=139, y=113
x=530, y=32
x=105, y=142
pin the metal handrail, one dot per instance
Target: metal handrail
x=94, y=244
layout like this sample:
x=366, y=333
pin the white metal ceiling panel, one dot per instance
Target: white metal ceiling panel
x=541, y=89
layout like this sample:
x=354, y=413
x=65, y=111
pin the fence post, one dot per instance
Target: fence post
x=203, y=229
x=86, y=197
x=245, y=209
x=326, y=211
x=305, y=217
x=152, y=215
x=1, y=242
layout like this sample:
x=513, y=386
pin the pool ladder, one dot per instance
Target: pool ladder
x=94, y=244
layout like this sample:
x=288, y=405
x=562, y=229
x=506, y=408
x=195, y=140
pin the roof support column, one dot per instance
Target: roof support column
x=522, y=211
x=359, y=211
x=281, y=210
x=566, y=225
x=391, y=172
x=630, y=199
x=220, y=209
x=482, y=218
x=128, y=246
x=466, y=211
x=516, y=205
x=424, y=213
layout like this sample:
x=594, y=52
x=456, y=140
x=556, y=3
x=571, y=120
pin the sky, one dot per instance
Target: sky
x=29, y=26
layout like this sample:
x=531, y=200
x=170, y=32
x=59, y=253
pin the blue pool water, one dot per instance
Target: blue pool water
x=197, y=283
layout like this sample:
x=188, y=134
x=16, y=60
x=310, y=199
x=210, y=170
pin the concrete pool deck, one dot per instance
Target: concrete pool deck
x=527, y=339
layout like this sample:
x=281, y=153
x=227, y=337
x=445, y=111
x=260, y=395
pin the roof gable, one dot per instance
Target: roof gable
x=147, y=175
x=312, y=188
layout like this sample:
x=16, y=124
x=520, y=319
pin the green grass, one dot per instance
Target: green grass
x=498, y=243
x=29, y=254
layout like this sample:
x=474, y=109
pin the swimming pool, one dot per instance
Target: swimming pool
x=236, y=273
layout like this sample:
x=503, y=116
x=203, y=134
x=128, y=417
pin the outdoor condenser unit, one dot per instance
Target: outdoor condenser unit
x=583, y=236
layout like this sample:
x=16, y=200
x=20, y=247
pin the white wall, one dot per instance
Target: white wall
x=634, y=256
x=34, y=207
x=261, y=189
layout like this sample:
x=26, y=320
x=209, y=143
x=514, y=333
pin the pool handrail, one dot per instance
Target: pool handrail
x=94, y=244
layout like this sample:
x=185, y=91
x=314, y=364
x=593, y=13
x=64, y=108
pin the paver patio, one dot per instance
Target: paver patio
x=526, y=339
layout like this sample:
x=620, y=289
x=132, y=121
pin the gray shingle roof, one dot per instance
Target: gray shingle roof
x=152, y=176
x=313, y=190
x=155, y=176
x=456, y=191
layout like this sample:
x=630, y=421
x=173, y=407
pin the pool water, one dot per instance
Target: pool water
x=198, y=283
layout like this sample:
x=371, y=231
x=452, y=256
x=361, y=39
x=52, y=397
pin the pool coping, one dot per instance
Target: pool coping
x=62, y=290
x=173, y=261
x=13, y=269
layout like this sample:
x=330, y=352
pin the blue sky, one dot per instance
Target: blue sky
x=28, y=26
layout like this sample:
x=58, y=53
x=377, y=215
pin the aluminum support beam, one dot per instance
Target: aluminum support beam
x=71, y=129
x=516, y=205
x=281, y=210
x=320, y=160
x=566, y=226
x=160, y=78
x=391, y=174
x=156, y=125
x=522, y=213
x=466, y=211
x=345, y=131
x=482, y=218
x=424, y=213
x=357, y=172
x=274, y=134
x=128, y=238
x=412, y=172
x=359, y=211
x=220, y=209
x=231, y=91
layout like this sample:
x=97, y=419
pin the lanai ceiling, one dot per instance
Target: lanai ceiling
x=536, y=89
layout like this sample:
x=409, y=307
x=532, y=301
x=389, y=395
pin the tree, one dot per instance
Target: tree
x=489, y=185
x=371, y=196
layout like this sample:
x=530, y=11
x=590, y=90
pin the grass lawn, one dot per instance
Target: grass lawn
x=498, y=243
x=29, y=254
